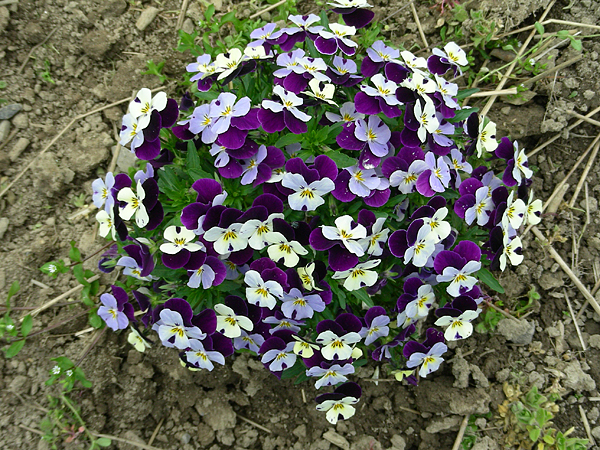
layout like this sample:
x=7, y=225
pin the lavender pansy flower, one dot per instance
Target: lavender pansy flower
x=102, y=192
x=202, y=66
x=376, y=325
x=139, y=262
x=116, y=311
x=172, y=330
x=347, y=114
x=211, y=272
x=251, y=342
x=282, y=323
x=277, y=354
x=298, y=306
x=430, y=361
x=436, y=178
x=330, y=376
x=201, y=358
x=375, y=134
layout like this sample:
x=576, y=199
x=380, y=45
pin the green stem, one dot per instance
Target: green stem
x=67, y=402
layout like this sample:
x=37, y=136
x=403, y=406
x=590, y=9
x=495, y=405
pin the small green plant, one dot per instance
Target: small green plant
x=3, y=85
x=14, y=335
x=45, y=74
x=155, y=69
x=529, y=419
x=63, y=421
x=90, y=289
x=491, y=317
x=79, y=200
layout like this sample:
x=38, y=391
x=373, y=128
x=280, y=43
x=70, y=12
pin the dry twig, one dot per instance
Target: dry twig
x=461, y=433
x=583, y=346
x=585, y=118
x=586, y=425
x=561, y=262
x=254, y=424
x=156, y=430
x=522, y=49
x=584, y=175
x=418, y=22
x=554, y=69
x=34, y=49
x=181, y=18
x=55, y=300
x=558, y=135
x=260, y=13
x=509, y=91
x=125, y=441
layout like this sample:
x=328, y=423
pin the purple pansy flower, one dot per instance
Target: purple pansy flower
x=329, y=42
x=274, y=116
x=457, y=265
x=376, y=325
x=116, y=311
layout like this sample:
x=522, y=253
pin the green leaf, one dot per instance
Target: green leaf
x=361, y=295
x=466, y=93
x=14, y=288
x=95, y=320
x=74, y=253
x=288, y=139
x=486, y=276
x=209, y=13
x=192, y=160
x=340, y=159
x=463, y=114
x=14, y=349
x=534, y=433
x=105, y=442
x=576, y=44
x=539, y=27
x=26, y=325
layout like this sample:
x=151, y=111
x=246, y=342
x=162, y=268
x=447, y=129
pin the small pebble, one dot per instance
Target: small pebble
x=146, y=18
x=3, y=226
x=8, y=111
x=4, y=129
x=18, y=148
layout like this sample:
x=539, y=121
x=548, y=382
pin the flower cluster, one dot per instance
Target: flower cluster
x=353, y=208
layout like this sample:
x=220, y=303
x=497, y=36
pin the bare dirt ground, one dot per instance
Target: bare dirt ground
x=61, y=59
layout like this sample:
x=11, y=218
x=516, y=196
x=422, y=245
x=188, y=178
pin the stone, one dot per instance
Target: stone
x=444, y=424
x=516, y=331
x=217, y=413
x=3, y=226
x=591, y=203
x=8, y=111
x=113, y=8
x=188, y=26
x=440, y=395
x=18, y=148
x=485, y=443
x=577, y=379
x=549, y=281
x=594, y=340
x=4, y=18
x=204, y=435
x=96, y=44
x=398, y=442
x=336, y=439
x=21, y=121
x=146, y=18
x=4, y=130
x=596, y=432
x=132, y=436
x=366, y=442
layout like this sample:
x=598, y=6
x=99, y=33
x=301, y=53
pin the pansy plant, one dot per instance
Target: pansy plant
x=265, y=218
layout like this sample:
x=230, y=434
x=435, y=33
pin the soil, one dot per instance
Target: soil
x=95, y=55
